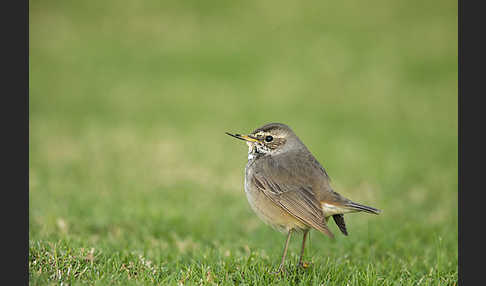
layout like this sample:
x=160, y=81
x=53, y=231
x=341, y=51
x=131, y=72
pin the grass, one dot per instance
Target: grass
x=133, y=181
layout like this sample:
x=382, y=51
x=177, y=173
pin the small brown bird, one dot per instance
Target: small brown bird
x=288, y=188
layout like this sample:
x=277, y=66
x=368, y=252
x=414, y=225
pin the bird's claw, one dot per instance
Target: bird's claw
x=304, y=264
x=280, y=270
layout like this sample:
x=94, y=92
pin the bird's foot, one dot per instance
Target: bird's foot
x=281, y=269
x=304, y=264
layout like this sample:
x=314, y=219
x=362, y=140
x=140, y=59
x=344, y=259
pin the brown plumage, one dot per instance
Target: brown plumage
x=288, y=188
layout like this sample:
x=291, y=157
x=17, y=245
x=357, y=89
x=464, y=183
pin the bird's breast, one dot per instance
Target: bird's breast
x=267, y=210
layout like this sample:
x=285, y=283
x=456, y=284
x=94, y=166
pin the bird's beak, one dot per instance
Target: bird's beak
x=248, y=138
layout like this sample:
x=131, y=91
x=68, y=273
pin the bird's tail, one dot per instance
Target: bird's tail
x=359, y=207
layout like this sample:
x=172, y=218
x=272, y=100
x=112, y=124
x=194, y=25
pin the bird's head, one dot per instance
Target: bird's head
x=272, y=138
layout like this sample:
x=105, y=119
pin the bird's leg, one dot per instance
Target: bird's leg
x=301, y=263
x=284, y=253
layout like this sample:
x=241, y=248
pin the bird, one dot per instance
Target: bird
x=289, y=189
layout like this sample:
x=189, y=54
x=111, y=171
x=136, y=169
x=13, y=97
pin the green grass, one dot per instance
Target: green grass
x=133, y=181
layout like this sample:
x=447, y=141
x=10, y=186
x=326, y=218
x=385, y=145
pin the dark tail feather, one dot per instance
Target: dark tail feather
x=339, y=220
x=359, y=207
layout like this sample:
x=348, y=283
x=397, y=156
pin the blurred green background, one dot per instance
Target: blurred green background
x=129, y=163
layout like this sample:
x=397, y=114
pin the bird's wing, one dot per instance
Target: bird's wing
x=292, y=195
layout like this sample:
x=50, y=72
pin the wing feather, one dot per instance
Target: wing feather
x=298, y=200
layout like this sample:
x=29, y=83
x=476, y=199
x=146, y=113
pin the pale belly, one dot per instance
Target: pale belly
x=269, y=212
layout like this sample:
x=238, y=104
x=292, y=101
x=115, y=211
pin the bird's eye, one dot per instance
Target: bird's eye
x=268, y=138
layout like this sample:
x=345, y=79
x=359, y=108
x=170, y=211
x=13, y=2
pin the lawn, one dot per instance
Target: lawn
x=132, y=180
